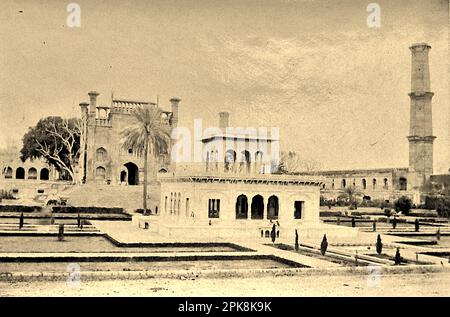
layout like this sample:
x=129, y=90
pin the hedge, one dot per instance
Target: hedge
x=19, y=208
x=330, y=213
x=91, y=210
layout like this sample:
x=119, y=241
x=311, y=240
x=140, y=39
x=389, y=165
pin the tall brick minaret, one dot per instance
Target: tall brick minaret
x=421, y=127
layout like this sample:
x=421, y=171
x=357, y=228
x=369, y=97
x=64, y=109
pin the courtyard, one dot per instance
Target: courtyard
x=106, y=253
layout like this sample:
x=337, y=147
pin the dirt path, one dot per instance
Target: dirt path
x=435, y=284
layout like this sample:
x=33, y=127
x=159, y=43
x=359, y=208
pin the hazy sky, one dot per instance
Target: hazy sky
x=336, y=88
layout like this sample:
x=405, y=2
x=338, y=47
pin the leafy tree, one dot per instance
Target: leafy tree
x=324, y=245
x=403, y=204
x=148, y=134
x=379, y=245
x=57, y=140
x=350, y=195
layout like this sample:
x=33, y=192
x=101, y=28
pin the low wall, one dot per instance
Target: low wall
x=237, y=231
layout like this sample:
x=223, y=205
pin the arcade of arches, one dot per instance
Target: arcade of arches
x=32, y=173
x=257, y=207
x=244, y=162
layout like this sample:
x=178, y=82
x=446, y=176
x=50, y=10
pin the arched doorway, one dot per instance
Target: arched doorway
x=8, y=172
x=258, y=161
x=32, y=173
x=20, y=173
x=133, y=173
x=403, y=182
x=245, y=161
x=272, y=208
x=100, y=173
x=242, y=207
x=230, y=159
x=44, y=174
x=364, y=183
x=257, y=207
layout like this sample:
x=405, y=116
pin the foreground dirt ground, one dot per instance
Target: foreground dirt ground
x=435, y=284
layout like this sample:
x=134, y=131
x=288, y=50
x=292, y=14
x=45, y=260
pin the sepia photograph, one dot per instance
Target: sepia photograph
x=253, y=149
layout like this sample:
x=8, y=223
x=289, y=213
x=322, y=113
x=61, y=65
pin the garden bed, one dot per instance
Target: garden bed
x=231, y=264
x=308, y=251
x=100, y=244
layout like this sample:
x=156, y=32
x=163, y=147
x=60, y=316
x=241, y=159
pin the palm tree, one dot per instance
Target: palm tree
x=350, y=193
x=148, y=134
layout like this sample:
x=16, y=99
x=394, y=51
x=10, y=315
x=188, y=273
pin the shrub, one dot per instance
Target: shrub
x=93, y=210
x=61, y=232
x=19, y=208
x=21, y=221
x=416, y=225
x=141, y=211
x=330, y=213
x=403, y=204
x=6, y=194
x=398, y=257
x=379, y=245
x=324, y=245
x=443, y=206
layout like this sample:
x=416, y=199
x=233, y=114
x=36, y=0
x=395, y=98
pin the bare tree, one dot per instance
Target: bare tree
x=291, y=163
x=57, y=140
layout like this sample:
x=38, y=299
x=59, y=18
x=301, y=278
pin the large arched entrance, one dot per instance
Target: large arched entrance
x=241, y=207
x=133, y=173
x=257, y=207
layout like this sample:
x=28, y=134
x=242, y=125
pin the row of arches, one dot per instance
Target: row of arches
x=364, y=185
x=374, y=184
x=31, y=173
x=256, y=207
x=234, y=162
x=172, y=204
